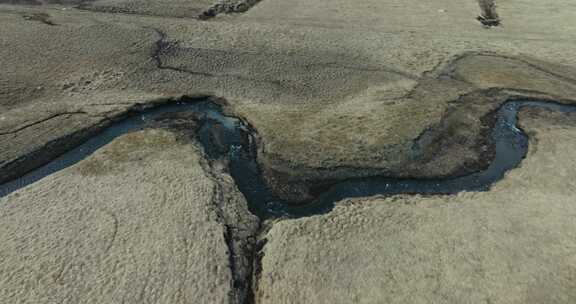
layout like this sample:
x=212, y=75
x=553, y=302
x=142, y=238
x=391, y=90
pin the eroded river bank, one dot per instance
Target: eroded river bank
x=231, y=140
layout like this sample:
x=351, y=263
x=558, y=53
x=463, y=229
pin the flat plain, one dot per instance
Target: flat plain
x=333, y=90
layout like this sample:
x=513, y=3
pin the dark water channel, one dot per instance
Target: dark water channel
x=228, y=137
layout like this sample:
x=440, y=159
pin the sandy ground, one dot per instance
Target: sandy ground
x=514, y=244
x=137, y=222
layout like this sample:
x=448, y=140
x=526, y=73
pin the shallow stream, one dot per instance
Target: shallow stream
x=229, y=137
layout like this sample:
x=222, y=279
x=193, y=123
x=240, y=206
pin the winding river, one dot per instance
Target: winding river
x=233, y=140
